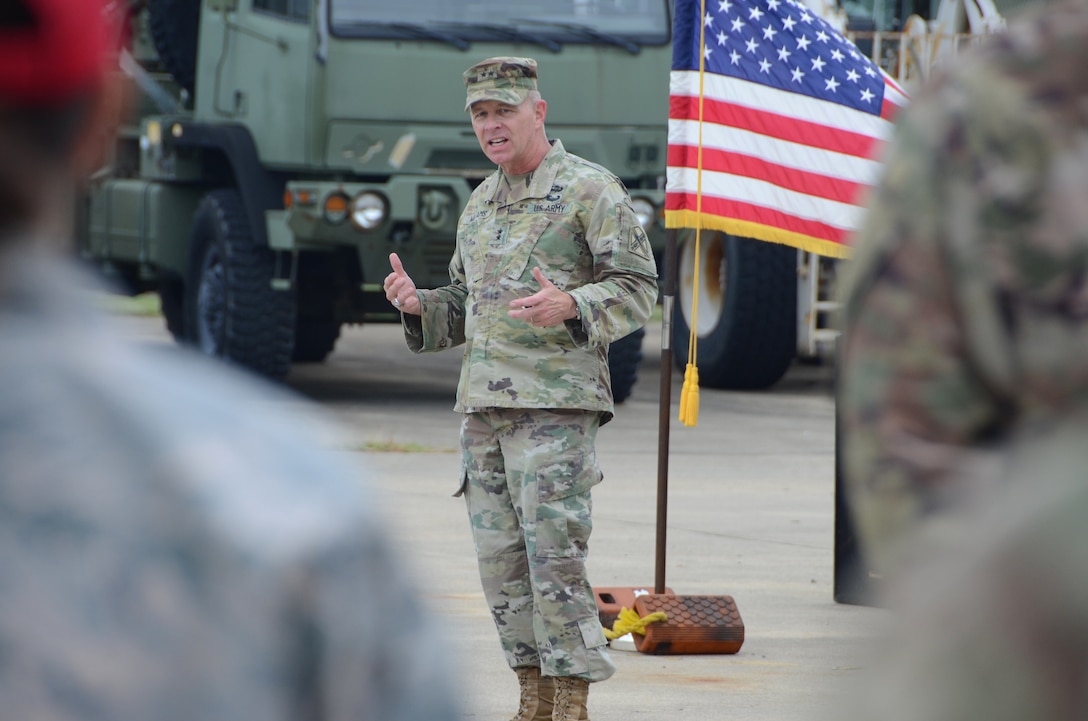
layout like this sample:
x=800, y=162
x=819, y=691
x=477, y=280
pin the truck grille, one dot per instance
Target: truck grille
x=462, y=163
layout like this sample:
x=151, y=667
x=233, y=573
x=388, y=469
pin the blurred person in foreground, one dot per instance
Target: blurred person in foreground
x=966, y=306
x=964, y=385
x=173, y=546
x=551, y=266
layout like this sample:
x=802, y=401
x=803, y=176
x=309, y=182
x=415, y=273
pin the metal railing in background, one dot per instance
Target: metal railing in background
x=910, y=56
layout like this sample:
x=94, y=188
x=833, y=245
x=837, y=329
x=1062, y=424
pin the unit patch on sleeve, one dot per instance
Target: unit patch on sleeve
x=639, y=244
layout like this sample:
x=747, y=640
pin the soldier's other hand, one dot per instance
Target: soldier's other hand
x=547, y=307
x=399, y=288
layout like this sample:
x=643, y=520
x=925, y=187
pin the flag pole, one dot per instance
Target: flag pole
x=679, y=624
x=665, y=403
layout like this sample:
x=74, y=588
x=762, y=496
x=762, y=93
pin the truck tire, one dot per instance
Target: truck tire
x=231, y=310
x=747, y=310
x=317, y=327
x=315, y=339
x=174, y=25
x=624, y=360
x=172, y=304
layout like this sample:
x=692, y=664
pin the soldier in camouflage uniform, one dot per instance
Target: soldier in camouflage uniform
x=173, y=544
x=964, y=385
x=551, y=266
x=966, y=306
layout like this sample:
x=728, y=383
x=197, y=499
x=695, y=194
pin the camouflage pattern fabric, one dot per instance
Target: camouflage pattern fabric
x=991, y=620
x=966, y=306
x=508, y=80
x=176, y=546
x=528, y=479
x=574, y=220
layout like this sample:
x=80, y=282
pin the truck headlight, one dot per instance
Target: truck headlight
x=368, y=210
x=644, y=211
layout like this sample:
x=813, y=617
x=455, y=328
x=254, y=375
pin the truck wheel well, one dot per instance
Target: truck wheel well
x=231, y=158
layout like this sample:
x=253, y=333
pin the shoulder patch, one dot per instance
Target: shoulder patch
x=639, y=244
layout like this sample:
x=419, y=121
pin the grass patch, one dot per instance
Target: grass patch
x=391, y=446
x=144, y=305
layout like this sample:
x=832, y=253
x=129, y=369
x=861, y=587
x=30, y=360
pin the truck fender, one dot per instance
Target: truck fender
x=259, y=189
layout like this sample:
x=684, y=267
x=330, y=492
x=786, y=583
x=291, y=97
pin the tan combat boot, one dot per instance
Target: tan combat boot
x=537, y=695
x=571, y=695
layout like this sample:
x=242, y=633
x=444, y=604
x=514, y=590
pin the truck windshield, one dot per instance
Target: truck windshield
x=549, y=23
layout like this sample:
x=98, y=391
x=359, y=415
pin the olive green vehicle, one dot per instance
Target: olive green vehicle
x=282, y=149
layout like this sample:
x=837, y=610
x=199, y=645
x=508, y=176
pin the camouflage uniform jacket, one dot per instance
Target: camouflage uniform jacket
x=574, y=220
x=175, y=544
x=966, y=306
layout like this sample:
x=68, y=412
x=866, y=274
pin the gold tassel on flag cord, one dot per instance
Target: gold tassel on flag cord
x=689, y=394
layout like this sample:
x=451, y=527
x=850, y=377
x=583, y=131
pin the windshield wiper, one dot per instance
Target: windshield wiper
x=510, y=33
x=424, y=32
x=587, y=31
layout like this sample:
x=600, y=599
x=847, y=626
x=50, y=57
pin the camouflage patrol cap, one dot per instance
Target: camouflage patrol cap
x=505, y=79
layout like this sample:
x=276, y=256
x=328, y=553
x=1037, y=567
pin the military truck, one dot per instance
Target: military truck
x=284, y=148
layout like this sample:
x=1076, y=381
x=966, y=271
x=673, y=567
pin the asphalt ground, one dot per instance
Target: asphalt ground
x=750, y=515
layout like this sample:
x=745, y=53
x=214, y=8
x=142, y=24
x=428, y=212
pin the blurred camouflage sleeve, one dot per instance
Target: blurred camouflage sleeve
x=367, y=647
x=182, y=541
x=964, y=385
x=904, y=410
x=986, y=622
x=624, y=291
x=961, y=306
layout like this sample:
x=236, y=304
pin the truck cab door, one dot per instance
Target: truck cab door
x=255, y=67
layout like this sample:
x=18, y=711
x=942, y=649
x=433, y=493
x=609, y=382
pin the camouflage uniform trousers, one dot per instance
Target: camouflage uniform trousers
x=528, y=474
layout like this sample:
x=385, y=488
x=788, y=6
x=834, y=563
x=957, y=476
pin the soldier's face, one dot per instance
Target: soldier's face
x=511, y=136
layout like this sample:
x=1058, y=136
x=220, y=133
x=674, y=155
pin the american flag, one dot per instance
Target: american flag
x=793, y=117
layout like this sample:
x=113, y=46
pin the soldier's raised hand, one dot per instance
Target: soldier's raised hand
x=399, y=288
x=548, y=306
